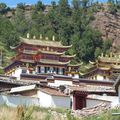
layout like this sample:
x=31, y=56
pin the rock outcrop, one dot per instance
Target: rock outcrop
x=109, y=25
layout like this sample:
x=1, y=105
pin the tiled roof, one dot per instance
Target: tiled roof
x=92, y=88
x=110, y=59
x=68, y=56
x=53, y=92
x=116, y=66
x=51, y=52
x=104, y=68
x=43, y=42
x=54, y=62
x=22, y=88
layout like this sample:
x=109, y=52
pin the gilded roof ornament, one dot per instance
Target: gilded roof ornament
x=28, y=35
x=34, y=37
x=102, y=55
x=40, y=36
x=46, y=38
x=53, y=38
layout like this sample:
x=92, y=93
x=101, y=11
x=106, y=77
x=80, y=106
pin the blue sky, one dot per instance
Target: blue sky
x=13, y=3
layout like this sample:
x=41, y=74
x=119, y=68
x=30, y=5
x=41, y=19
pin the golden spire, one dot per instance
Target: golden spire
x=28, y=35
x=34, y=37
x=53, y=38
x=102, y=55
x=40, y=36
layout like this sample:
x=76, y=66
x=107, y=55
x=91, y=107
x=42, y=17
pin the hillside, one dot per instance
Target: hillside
x=84, y=25
x=109, y=25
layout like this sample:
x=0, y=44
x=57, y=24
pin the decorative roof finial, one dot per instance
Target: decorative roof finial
x=40, y=36
x=101, y=54
x=28, y=35
x=111, y=55
x=53, y=38
x=46, y=38
x=34, y=37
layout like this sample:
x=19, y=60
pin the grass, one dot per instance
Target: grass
x=37, y=113
x=105, y=116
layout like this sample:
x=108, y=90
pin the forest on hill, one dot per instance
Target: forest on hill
x=69, y=23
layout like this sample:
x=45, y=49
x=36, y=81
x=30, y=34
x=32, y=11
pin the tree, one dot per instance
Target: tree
x=64, y=8
x=107, y=44
x=87, y=45
x=20, y=23
x=53, y=3
x=21, y=5
x=76, y=4
x=39, y=6
x=3, y=8
x=97, y=52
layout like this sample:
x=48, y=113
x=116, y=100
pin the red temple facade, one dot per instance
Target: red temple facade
x=41, y=57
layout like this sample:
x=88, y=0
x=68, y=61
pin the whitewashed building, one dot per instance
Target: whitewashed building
x=53, y=98
x=46, y=96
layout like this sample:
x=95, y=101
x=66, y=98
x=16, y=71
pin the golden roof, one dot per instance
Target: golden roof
x=88, y=72
x=43, y=42
x=68, y=56
x=104, y=68
x=75, y=65
x=51, y=52
x=109, y=59
x=116, y=66
x=55, y=62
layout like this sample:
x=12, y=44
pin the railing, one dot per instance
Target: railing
x=30, y=51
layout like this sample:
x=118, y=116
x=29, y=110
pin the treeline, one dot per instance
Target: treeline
x=69, y=23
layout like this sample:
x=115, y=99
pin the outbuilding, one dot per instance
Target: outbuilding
x=53, y=98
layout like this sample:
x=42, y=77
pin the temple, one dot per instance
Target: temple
x=105, y=68
x=41, y=56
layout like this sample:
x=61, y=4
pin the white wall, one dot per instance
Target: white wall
x=14, y=101
x=119, y=93
x=47, y=100
x=113, y=99
x=76, y=76
x=59, y=101
x=100, y=77
x=94, y=102
x=17, y=73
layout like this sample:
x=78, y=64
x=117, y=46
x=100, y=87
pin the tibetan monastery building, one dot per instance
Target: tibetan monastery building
x=41, y=57
x=105, y=68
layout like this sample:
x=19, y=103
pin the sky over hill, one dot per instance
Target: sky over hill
x=13, y=3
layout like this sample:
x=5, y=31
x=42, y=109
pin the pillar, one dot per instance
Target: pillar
x=42, y=69
x=60, y=71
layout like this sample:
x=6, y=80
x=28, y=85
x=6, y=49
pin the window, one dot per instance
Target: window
x=24, y=71
x=104, y=77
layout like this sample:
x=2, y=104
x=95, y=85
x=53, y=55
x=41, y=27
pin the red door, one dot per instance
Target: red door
x=79, y=101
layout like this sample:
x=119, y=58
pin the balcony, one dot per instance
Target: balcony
x=33, y=52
